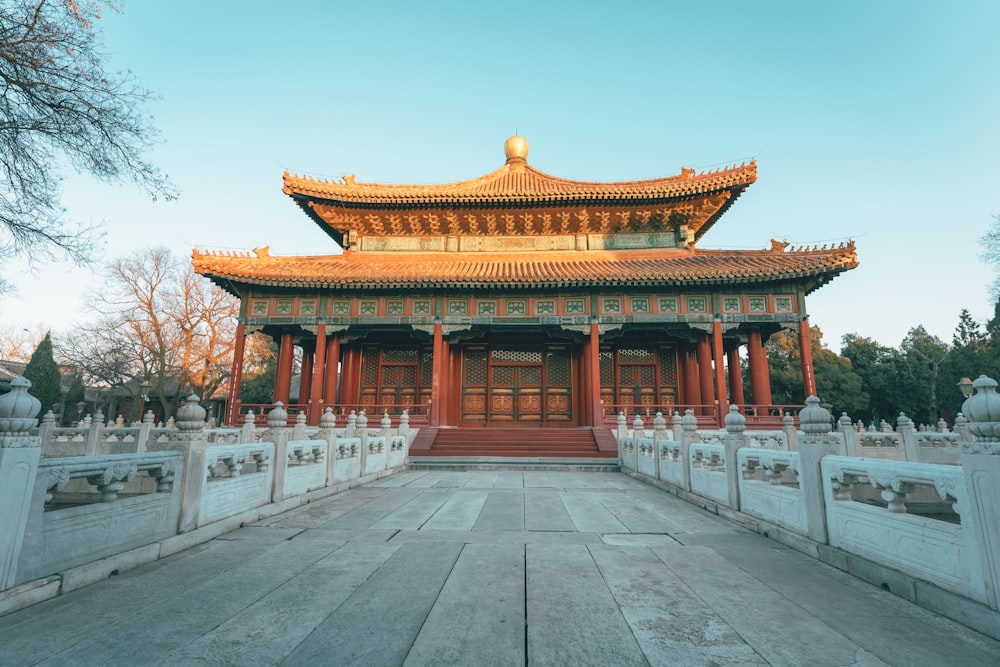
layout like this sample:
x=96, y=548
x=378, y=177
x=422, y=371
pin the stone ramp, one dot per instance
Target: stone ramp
x=488, y=567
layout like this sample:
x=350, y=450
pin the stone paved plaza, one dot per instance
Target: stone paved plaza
x=488, y=568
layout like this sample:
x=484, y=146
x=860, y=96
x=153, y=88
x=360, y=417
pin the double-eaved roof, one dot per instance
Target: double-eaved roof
x=520, y=228
x=434, y=270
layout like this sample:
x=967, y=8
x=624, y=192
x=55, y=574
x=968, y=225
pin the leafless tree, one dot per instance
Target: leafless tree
x=58, y=103
x=159, y=322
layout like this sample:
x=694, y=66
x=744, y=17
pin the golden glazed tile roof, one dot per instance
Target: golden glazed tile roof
x=517, y=189
x=670, y=267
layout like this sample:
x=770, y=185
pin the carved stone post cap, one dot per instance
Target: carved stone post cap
x=982, y=409
x=735, y=422
x=190, y=416
x=814, y=419
x=844, y=422
x=689, y=422
x=328, y=419
x=386, y=421
x=18, y=408
x=278, y=416
x=300, y=418
x=49, y=418
x=148, y=418
x=248, y=418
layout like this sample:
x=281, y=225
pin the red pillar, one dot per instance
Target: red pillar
x=350, y=377
x=236, y=377
x=805, y=352
x=332, y=371
x=720, y=372
x=446, y=385
x=692, y=387
x=437, y=369
x=594, y=381
x=760, y=383
x=305, y=377
x=316, y=393
x=283, y=374
x=735, y=377
x=705, y=373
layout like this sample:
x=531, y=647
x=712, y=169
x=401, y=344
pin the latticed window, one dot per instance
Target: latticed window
x=474, y=368
x=427, y=368
x=636, y=355
x=558, y=368
x=517, y=355
x=397, y=355
x=607, y=368
x=668, y=367
x=369, y=367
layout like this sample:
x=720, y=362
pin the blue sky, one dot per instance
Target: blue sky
x=873, y=121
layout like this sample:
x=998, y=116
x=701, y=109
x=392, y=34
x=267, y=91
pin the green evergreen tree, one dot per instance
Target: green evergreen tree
x=43, y=373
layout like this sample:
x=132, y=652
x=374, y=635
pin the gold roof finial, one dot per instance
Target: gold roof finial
x=516, y=149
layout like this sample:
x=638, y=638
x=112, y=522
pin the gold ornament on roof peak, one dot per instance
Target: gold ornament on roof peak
x=516, y=149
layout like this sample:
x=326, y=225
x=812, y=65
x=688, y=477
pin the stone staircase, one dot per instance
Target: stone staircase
x=520, y=443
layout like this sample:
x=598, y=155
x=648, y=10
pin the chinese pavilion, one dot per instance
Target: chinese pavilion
x=523, y=299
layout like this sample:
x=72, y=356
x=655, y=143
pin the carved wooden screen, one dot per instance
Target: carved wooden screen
x=636, y=377
x=394, y=376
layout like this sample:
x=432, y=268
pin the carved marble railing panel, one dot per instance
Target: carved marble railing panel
x=237, y=478
x=935, y=548
x=223, y=436
x=398, y=449
x=346, y=459
x=767, y=440
x=646, y=457
x=672, y=463
x=306, y=466
x=935, y=447
x=708, y=471
x=769, y=487
x=881, y=445
x=61, y=536
x=375, y=454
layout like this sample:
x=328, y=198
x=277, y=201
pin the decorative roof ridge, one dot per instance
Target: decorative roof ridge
x=517, y=177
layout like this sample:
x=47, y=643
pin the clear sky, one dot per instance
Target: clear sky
x=874, y=121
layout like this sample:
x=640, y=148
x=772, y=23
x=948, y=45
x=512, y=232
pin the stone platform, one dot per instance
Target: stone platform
x=488, y=567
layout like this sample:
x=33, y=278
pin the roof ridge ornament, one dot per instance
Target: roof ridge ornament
x=516, y=149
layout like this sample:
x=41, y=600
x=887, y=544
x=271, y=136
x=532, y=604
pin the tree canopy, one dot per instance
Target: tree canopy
x=43, y=373
x=59, y=103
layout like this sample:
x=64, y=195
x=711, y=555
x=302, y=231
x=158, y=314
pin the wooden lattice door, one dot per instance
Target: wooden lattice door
x=515, y=384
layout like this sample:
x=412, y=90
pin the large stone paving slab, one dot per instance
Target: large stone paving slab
x=488, y=567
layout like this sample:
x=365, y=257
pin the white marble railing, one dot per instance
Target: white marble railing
x=80, y=511
x=708, y=471
x=937, y=548
x=67, y=512
x=769, y=487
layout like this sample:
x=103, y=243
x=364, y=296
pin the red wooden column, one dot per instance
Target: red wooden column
x=350, y=377
x=332, y=370
x=316, y=393
x=705, y=373
x=236, y=377
x=447, y=398
x=305, y=376
x=437, y=370
x=805, y=352
x=283, y=374
x=735, y=376
x=720, y=372
x=692, y=387
x=760, y=382
x=594, y=380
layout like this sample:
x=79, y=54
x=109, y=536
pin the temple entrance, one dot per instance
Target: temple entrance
x=517, y=385
x=637, y=378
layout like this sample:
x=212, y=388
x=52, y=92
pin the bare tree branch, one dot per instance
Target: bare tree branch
x=57, y=101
